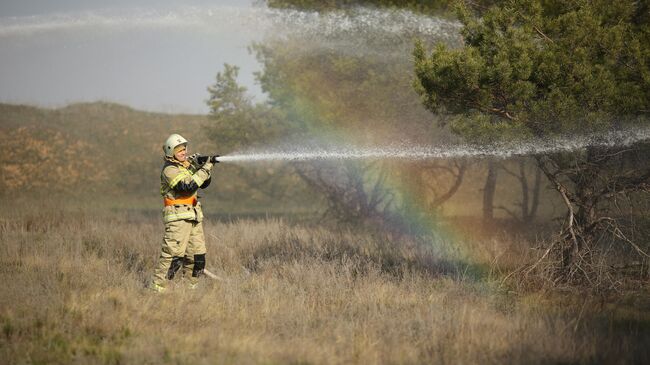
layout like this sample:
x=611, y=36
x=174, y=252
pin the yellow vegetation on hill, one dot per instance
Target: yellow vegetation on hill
x=86, y=147
x=38, y=158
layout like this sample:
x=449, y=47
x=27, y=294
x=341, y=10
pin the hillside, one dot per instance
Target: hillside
x=110, y=152
x=86, y=147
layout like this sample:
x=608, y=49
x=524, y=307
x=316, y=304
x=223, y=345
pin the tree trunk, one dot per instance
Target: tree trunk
x=523, y=179
x=581, y=206
x=585, y=192
x=529, y=204
x=458, y=180
x=488, y=192
x=537, y=187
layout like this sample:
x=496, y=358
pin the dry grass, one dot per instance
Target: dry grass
x=73, y=292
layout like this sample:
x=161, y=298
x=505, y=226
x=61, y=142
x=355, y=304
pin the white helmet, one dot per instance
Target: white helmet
x=172, y=142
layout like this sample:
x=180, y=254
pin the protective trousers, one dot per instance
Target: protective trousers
x=183, y=246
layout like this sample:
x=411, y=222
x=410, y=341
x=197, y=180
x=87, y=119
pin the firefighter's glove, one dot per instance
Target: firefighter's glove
x=207, y=166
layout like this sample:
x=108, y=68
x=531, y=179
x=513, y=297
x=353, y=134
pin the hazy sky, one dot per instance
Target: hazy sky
x=152, y=55
x=162, y=55
x=35, y=7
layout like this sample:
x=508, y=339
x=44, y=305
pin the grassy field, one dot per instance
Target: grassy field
x=74, y=292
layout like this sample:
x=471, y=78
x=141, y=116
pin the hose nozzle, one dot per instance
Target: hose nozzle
x=202, y=159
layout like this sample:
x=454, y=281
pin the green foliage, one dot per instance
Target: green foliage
x=541, y=67
x=326, y=95
x=237, y=120
x=239, y=124
x=547, y=67
x=226, y=96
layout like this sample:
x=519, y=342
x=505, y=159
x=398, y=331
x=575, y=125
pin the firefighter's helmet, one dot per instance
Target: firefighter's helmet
x=172, y=142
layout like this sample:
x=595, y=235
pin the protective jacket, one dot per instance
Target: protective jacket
x=179, y=187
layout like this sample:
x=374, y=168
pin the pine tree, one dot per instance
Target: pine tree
x=543, y=68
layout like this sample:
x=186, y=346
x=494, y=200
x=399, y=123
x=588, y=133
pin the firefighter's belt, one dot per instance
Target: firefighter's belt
x=182, y=201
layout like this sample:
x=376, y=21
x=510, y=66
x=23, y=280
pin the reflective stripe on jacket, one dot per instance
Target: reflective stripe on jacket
x=178, y=182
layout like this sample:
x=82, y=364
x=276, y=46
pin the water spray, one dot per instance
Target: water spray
x=621, y=138
x=255, y=20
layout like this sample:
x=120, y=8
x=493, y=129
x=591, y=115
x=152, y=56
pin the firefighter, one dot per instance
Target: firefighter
x=183, y=244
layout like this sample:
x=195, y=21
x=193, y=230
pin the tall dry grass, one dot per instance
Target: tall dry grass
x=73, y=291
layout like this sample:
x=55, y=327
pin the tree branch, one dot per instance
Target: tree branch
x=542, y=34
